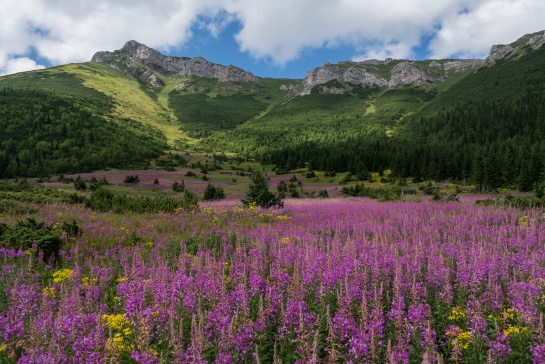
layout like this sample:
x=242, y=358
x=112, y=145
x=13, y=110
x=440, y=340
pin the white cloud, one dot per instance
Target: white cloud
x=383, y=51
x=471, y=34
x=21, y=64
x=277, y=31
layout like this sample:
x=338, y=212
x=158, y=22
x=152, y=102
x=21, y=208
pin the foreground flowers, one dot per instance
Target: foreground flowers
x=319, y=281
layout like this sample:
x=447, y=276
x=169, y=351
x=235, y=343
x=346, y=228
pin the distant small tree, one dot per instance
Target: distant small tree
x=213, y=193
x=258, y=192
x=539, y=189
x=310, y=174
x=177, y=187
x=132, y=179
x=282, y=188
x=79, y=184
x=323, y=193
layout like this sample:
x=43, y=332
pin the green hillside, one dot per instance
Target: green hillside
x=124, y=113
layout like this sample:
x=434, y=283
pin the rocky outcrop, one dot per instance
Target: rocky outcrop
x=536, y=40
x=498, y=52
x=533, y=40
x=356, y=74
x=173, y=66
x=407, y=73
x=462, y=64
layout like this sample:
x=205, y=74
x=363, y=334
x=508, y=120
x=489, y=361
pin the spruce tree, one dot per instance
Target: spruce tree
x=258, y=192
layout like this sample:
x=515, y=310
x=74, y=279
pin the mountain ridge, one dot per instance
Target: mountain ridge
x=149, y=65
x=173, y=66
x=401, y=114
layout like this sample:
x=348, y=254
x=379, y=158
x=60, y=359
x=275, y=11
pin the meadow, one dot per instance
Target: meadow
x=338, y=280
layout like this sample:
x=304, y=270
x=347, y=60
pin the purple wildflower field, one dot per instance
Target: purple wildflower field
x=318, y=281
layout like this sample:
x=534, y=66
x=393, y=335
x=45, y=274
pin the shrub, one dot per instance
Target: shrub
x=106, y=200
x=94, y=184
x=346, y=178
x=132, y=179
x=213, y=193
x=178, y=187
x=27, y=233
x=323, y=193
x=79, y=184
x=539, y=189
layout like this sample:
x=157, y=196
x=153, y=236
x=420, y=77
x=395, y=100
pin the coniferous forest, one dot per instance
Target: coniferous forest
x=45, y=134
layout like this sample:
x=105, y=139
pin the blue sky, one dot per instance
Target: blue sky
x=224, y=49
x=271, y=38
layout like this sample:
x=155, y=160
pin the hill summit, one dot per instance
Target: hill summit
x=139, y=57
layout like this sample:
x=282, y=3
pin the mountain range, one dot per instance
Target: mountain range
x=124, y=108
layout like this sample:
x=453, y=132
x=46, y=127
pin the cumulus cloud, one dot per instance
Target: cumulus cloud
x=64, y=31
x=471, y=33
x=20, y=64
x=280, y=30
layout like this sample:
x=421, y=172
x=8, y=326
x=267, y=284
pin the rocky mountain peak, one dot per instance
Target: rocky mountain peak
x=354, y=74
x=407, y=73
x=143, y=59
x=532, y=40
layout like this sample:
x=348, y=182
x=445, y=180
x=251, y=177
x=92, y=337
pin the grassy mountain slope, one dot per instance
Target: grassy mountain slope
x=146, y=109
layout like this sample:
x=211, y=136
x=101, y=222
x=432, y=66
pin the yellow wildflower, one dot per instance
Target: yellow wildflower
x=512, y=314
x=119, y=343
x=30, y=251
x=283, y=217
x=87, y=281
x=463, y=338
x=285, y=240
x=122, y=279
x=457, y=313
x=150, y=244
x=116, y=321
x=516, y=331
x=3, y=347
x=62, y=275
x=252, y=205
x=49, y=292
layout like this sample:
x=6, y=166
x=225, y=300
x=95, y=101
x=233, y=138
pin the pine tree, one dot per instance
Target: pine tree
x=258, y=192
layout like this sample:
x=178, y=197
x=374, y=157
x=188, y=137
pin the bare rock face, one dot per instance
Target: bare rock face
x=333, y=90
x=173, y=66
x=498, y=52
x=407, y=73
x=353, y=74
x=462, y=64
x=537, y=40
